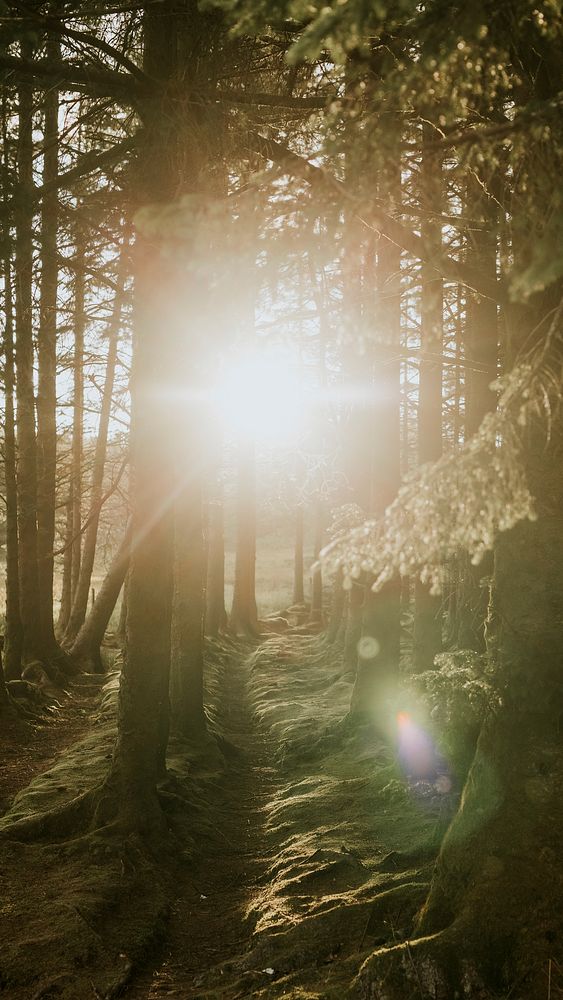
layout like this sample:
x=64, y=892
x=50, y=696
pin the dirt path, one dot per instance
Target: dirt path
x=208, y=931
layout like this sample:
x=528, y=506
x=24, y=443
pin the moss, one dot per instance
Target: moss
x=92, y=904
x=350, y=839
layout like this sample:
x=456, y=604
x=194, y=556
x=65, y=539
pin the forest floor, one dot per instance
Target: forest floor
x=31, y=746
x=295, y=851
x=324, y=850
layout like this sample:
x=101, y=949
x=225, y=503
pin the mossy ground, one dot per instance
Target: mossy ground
x=78, y=912
x=327, y=850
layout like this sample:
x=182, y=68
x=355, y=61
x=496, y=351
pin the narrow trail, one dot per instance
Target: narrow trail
x=207, y=931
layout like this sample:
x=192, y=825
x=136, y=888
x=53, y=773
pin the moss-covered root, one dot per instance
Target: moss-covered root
x=430, y=968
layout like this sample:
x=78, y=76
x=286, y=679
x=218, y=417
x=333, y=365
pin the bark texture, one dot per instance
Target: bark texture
x=85, y=650
x=427, y=639
x=25, y=395
x=215, y=614
x=80, y=601
x=244, y=614
x=47, y=363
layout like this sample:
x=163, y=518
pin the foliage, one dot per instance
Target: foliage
x=460, y=691
x=464, y=500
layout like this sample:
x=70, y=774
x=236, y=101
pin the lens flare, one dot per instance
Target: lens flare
x=368, y=647
x=259, y=398
x=418, y=755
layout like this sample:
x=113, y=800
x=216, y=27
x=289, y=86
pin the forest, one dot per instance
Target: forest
x=281, y=700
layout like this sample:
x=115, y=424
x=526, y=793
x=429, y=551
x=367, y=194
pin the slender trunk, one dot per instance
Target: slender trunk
x=428, y=608
x=66, y=586
x=216, y=615
x=86, y=647
x=13, y=631
x=298, y=589
x=47, y=360
x=80, y=602
x=379, y=651
x=26, y=441
x=186, y=667
x=78, y=409
x=4, y=698
x=244, y=614
x=353, y=630
x=336, y=615
x=481, y=352
x=316, y=612
x=121, y=633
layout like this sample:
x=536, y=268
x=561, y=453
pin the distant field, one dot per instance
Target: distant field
x=274, y=570
x=274, y=573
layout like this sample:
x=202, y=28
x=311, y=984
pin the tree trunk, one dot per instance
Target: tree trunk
x=481, y=350
x=186, y=668
x=492, y=921
x=13, y=630
x=244, y=614
x=4, y=698
x=66, y=586
x=428, y=608
x=27, y=458
x=78, y=409
x=379, y=651
x=215, y=615
x=335, y=630
x=316, y=610
x=159, y=345
x=47, y=362
x=86, y=647
x=121, y=634
x=298, y=589
x=80, y=602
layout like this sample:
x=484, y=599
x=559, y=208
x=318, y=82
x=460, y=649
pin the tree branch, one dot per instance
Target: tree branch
x=95, y=82
x=271, y=100
x=373, y=217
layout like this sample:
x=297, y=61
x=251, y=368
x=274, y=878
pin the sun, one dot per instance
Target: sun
x=259, y=397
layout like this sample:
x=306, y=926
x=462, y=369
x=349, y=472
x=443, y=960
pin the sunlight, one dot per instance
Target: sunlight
x=259, y=398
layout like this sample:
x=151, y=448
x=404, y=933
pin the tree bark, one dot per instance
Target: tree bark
x=66, y=586
x=26, y=440
x=160, y=349
x=316, y=611
x=427, y=639
x=186, y=669
x=47, y=363
x=215, y=615
x=481, y=351
x=80, y=602
x=13, y=630
x=121, y=634
x=244, y=613
x=378, y=660
x=78, y=408
x=85, y=650
x=298, y=589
